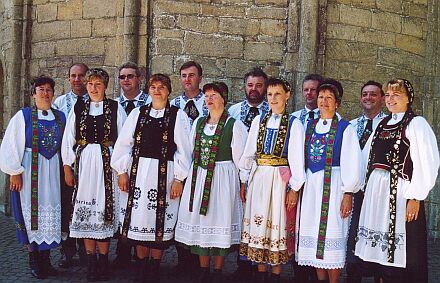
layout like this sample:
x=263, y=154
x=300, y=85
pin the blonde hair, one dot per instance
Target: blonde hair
x=396, y=85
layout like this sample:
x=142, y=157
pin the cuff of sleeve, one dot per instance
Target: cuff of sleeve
x=18, y=171
x=122, y=171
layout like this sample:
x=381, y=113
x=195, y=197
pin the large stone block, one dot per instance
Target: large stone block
x=415, y=10
x=175, y=7
x=164, y=21
x=333, y=13
x=382, y=38
x=351, y=51
x=59, y=62
x=70, y=10
x=358, y=3
x=414, y=26
x=354, y=16
x=237, y=68
x=80, y=46
x=219, y=46
x=273, y=28
x=50, y=31
x=235, y=2
x=47, y=12
x=169, y=33
x=162, y=64
x=411, y=44
x=80, y=28
x=354, y=72
x=168, y=46
x=222, y=11
x=269, y=39
x=43, y=50
x=266, y=12
x=387, y=21
x=198, y=24
x=99, y=9
x=263, y=51
x=104, y=27
x=281, y=3
x=390, y=6
x=239, y=26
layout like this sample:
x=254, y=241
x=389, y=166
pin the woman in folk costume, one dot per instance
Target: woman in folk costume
x=402, y=168
x=333, y=162
x=210, y=213
x=152, y=158
x=274, y=156
x=29, y=153
x=91, y=131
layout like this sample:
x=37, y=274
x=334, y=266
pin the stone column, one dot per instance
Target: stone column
x=131, y=30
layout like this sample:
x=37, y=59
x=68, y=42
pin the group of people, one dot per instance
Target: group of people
x=308, y=188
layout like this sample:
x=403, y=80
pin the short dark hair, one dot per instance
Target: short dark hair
x=256, y=72
x=334, y=86
x=313, y=77
x=98, y=73
x=219, y=87
x=189, y=64
x=84, y=66
x=274, y=82
x=164, y=79
x=41, y=80
x=379, y=85
x=130, y=65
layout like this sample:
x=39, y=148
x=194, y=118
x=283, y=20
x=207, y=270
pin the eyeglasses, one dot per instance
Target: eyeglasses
x=129, y=76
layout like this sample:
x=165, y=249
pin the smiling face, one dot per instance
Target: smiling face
x=371, y=99
x=277, y=98
x=43, y=96
x=130, y=82
x=96, y=89
x=396, y=101
x=159, y=92
x=327, y=103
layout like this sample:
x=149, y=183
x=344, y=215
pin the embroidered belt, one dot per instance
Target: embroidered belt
x=84, y=142
x=270, y=160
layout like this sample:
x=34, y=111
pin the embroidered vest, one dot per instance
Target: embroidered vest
x=152, y=134
x=271, y=136
x=49, y=133
x=316, y=149
x=95, y=124
x=382, y=147
x=224, y=152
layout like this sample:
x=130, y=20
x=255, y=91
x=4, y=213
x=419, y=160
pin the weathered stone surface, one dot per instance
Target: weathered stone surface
x=358, y=3
x=50, y=31
x=239, y=26
x=175, y=7
x=415, y=10
x=198, y=24
x=355, y=16
x=70, y=10
x=169, y=33
x=267, y=12
x=339, y=31
x=387, y=21
x=238, y=68
x=273, y=27
x=104, y=27
x=414, y=26
x=333, y=13
x=162, y=64
x=352, y=51
x=43, y=50
x=390, y=6
x=80, y=28
x=97, y=9
x=165, y=46
x=282, y=3
x=263, y=51
x=164, y=21
x=83, y=46
x=411, y=44
x=219, y=46
x=222, y=11
x=47, y=12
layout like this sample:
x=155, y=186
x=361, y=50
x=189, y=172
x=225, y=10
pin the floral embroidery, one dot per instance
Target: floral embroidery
x=83, y=213
x=317, y=147
x=258, y=219
x=137, y=193
x=152, y=195
x=381, y=239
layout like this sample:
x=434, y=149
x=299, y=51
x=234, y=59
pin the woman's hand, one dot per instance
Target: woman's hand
x=412, y=210
x=243, y=192
x=68, y=176
x=291, y=199
x=15, y=183
x=346, y=205
x=176, y=189
x=123, y=181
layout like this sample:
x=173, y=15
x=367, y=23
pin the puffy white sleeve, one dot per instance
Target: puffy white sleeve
x=296, y=155
x=69, y=140
x=13, y=146
x=247, y=160
x=425, y=157
x=351, y=161
x=121, y=157
x=122, y=116
x=239, y=137
x=183, y=154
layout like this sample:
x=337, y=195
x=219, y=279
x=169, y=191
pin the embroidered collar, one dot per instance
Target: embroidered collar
x=263, y=108
x=361, y=122
x=186, y=98
x=305, y=113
